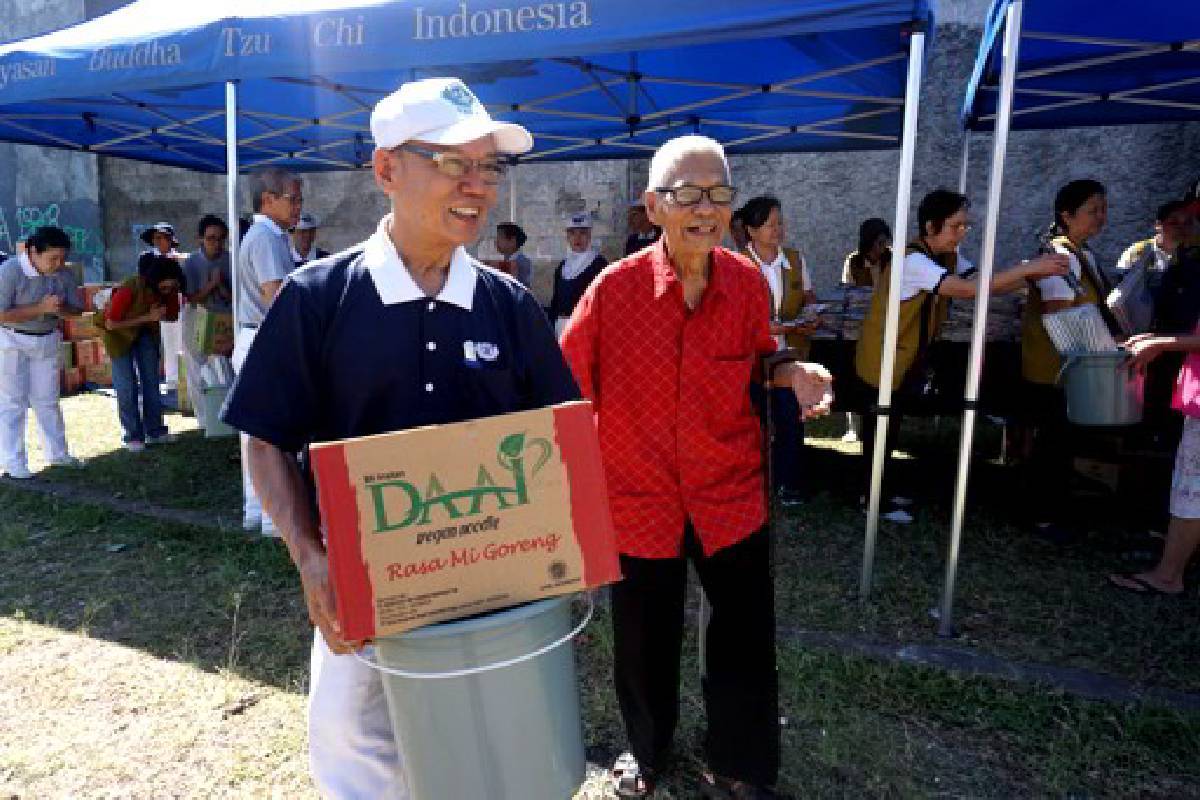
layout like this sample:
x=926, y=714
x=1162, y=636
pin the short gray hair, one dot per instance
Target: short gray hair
x=275, y=180
x=667, y=157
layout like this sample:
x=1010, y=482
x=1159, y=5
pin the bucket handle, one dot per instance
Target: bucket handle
x=1067, y=361
x=508, y=662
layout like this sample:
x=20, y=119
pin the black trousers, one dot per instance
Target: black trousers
x=891, y=484
x=741, y=688
x=1051, y=461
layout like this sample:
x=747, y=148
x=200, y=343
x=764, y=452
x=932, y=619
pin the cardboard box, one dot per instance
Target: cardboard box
x=89, y=352
x=213, y=333
x=77, y=328
x=443, y=522
x=98, y=374
x=70, y=380
x=66, y=355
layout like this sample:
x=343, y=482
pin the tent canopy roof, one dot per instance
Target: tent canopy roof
x=1085, y=63
x=590, y=78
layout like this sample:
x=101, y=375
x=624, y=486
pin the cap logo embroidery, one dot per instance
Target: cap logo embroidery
x=459, y=96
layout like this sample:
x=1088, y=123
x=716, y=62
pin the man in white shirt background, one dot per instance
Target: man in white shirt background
x=264, y=260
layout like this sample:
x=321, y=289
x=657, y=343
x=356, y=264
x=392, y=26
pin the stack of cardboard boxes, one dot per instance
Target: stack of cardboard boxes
x=84, y=359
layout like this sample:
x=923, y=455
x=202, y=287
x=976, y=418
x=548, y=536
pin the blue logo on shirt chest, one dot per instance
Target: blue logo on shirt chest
x=478, y=354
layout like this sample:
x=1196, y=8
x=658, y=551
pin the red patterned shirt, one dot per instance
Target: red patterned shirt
x=678, y=433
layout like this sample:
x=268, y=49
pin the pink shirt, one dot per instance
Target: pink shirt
x=1187, y=386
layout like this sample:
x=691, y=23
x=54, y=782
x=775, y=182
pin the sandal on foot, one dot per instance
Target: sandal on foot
x=715, y=787
x=1140, y=585
x=630, y=779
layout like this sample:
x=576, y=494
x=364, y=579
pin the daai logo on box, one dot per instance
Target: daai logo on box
x=521, y=458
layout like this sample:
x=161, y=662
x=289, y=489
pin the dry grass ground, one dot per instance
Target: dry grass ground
x=90, y=718
x=147, y=659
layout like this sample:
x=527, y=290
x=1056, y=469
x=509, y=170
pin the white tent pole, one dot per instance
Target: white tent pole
x=966, y=162
x=231, y=173
x=1012, y=36
x=912, y=99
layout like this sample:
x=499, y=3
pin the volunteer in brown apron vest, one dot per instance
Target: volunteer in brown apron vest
x=1080, y=211
x=791, y=290
x=933, y=273
x=862, y=267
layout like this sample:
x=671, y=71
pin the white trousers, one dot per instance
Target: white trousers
x=29, y=379
x=251, y=506
x=172, y=343
x=352, y=753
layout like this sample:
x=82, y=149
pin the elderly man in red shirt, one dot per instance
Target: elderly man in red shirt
x=666, y=343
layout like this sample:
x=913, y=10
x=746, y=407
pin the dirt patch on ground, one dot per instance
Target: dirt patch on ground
x=112, y=721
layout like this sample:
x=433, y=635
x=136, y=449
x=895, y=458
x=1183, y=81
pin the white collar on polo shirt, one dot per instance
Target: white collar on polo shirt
x=270, y=223
x=27, y=267
x=780, y=259
x=394, y=283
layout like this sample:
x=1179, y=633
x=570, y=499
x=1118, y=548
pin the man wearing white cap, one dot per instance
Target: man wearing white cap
x=304, y=240
x=575, y=272
x=462, y=341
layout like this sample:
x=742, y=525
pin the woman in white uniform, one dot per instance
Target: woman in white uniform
x=36, y=291
x=575, y=272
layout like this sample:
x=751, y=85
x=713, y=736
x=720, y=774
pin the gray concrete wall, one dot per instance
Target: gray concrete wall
x=40, y=186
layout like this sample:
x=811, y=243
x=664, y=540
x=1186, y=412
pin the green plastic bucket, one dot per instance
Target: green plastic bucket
x=488, y=707
x=1102, y=388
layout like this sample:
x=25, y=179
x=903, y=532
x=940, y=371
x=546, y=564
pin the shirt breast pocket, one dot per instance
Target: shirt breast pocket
x=727, y=384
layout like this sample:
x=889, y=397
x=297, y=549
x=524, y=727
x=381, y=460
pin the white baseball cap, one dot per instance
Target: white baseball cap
x=307, y=222
x=579, y=221
x=441, y=111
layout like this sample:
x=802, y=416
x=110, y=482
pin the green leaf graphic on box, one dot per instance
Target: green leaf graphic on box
x=512, y=447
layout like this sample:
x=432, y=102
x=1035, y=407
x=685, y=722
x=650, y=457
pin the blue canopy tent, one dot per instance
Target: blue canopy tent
x=291, y=83
x=1063, y=64
x=591, y=79
x=1086, y=63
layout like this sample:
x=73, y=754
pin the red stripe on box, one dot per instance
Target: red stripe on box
x=347, y=568
x=575, y=429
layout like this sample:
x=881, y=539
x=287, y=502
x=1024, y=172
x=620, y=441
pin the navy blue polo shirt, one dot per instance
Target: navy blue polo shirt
x=352, y=347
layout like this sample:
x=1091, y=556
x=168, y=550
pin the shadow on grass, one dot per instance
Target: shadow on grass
x=193, y=473
x=221, y=601
x=1017, y=597
x=225, y=602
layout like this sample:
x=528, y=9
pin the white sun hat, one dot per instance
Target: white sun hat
x=442, y=111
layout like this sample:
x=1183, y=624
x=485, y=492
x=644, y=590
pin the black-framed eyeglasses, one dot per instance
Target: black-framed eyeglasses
x=454, y=165
x=719, y=195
